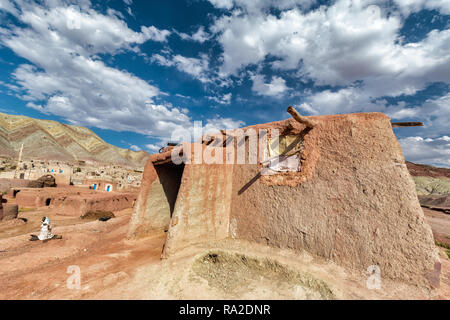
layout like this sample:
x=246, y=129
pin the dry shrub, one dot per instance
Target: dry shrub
x=233, y=272
x=94, y=215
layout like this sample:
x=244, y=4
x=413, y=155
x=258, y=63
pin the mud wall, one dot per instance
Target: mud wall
x=152, y=211
x=158, y=193
x=202, y=208
x=353, y=202
x=81, y=204
x=62, y=179
x=75, y=201
x=355, y=205
x=6, y=184
x=29, y=198
x=38, y=197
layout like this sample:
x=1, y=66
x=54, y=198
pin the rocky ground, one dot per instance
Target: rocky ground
x=112, y=267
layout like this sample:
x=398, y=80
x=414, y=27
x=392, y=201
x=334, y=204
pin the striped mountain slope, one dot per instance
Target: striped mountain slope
x=51, y=140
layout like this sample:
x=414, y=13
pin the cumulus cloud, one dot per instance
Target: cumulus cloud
x=215, y=124
x=275, y=87
x=200, y=35
x=8, y=7
x=152, y=148
x=199, y=128
x=261, y=5
x=409, y=6
x=353, y=47
x=335, y=45
x=428, y=151
x=221, y=99
x=67, y=78
x=222, y=4
x=435, y=113
x=352, y=51
x=135, y=148
x=344, y=100
x=84, y=32
x=196, y=67
x=432, y=147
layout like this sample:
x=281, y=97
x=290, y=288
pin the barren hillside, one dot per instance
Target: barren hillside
x=51, y=140
x=423, y=170
x=430, y=181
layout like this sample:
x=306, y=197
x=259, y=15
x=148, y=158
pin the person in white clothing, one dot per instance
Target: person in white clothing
x=46, y=231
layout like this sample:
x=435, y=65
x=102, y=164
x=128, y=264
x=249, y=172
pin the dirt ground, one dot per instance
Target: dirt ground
x=440, y=224
x=112, y=267
x=37, y=270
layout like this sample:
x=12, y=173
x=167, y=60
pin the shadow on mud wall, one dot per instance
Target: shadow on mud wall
x=169, y=175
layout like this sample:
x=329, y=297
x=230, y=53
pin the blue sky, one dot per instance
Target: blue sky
x=136, y=71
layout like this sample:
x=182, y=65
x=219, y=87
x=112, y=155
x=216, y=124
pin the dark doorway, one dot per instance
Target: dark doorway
x=22, y=176
x=15, y=192
x=169, y=175
x=48, y=201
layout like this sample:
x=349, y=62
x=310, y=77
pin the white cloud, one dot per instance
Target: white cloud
x=155, y=34
x=196, y=67
x=326, y=39
x=430, y=148
x=435, y=113
x=335, y=45
x=349, y=45
x=345, y=100
x=222, y=4
x=130, y=12
x=224, y=99
x=427, y=151
x=8, y=7
x=196, y=130
x=409, y=6
x=152, y=148
x=353, y=46
x=68, y=79
x=275, y=87
x=83, y=32
x=161, y=60
x=259, y=5
x=215, y=124
x=193, y=66
x=66, y=76
x=135, y=148
x=200, y=35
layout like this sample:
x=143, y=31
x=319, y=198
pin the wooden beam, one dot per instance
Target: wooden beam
x=406, y=124
x=307, y=122
x=16, y=173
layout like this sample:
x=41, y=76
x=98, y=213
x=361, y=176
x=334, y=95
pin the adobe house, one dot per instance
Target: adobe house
x=101, y=185
x=341, y=191
x=73, y=201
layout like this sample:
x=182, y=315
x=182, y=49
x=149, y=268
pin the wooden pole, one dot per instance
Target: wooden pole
x=406, y=124
x=18, y=162
x=307, y=122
